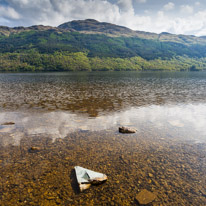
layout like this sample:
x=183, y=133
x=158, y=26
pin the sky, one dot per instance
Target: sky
x=173, y=16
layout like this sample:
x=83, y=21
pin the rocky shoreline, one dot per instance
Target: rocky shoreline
x=174, y=172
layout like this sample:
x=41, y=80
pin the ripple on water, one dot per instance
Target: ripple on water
x=99, y=93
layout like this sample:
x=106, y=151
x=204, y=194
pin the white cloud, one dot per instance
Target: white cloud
x=194, y=24
x=186, y=9
x=197, y=3
x=55, y=12
x=169, y=6
x=141, y=1
x=8, y=12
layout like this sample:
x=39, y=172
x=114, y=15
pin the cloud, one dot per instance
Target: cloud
x=55, y=12
x=186, y=9
x=193, y=24
x=141, y=1
x=125, y=5
x=122, y=12
x=169, y=6
x=8, y=12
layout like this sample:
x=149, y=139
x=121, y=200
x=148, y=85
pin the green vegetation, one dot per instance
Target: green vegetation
x=54, y=50
x=79, y=61
x=97, y=45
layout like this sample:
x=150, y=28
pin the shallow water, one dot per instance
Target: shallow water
x=74, y=117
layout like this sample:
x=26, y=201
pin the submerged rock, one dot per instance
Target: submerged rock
x=8, y=123
x=145, y=197
x=34, y=149
x=127, y=130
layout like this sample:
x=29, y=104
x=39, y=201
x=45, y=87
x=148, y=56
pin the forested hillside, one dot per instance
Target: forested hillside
x=91, y=45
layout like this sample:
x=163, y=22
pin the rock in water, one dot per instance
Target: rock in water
x=34, y=149
x=126, y=130
x=8, y=123
x=86, y=178
x=145, y=197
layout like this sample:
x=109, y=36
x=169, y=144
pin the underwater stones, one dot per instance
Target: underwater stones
x=145, y=197
x=127, y=130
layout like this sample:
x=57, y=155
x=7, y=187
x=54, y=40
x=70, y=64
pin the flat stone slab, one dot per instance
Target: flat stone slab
x=86, y=177
x=145, y=197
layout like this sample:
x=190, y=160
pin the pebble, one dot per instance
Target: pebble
x=35, y=148
x=51, y=198
x=151, y=175
x=145, y=197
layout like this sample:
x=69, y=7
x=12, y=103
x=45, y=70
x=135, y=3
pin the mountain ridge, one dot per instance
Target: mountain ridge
x=92, y=26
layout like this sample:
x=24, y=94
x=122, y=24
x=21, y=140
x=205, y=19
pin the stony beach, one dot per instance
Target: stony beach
x=173, y=171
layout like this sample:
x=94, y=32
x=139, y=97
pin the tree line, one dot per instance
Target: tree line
x=80, y=61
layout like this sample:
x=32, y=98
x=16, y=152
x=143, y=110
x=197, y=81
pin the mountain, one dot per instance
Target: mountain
x=89, y=39
x=7, y=31
x=91, y=26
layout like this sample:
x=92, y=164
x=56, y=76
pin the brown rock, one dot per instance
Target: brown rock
x=145, y=197
x=126, y=130
x=8, y=123
x=34, y=149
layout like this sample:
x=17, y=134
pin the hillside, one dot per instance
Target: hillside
x=91, y=26
x=98, y=40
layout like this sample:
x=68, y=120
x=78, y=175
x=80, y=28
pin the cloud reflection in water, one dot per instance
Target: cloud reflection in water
x=190, y=117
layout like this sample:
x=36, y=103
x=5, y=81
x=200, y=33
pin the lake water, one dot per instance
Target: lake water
x=73, y=119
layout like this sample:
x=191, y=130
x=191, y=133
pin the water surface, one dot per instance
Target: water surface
x=74, y=118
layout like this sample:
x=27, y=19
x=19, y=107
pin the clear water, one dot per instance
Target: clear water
x=84, y=111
